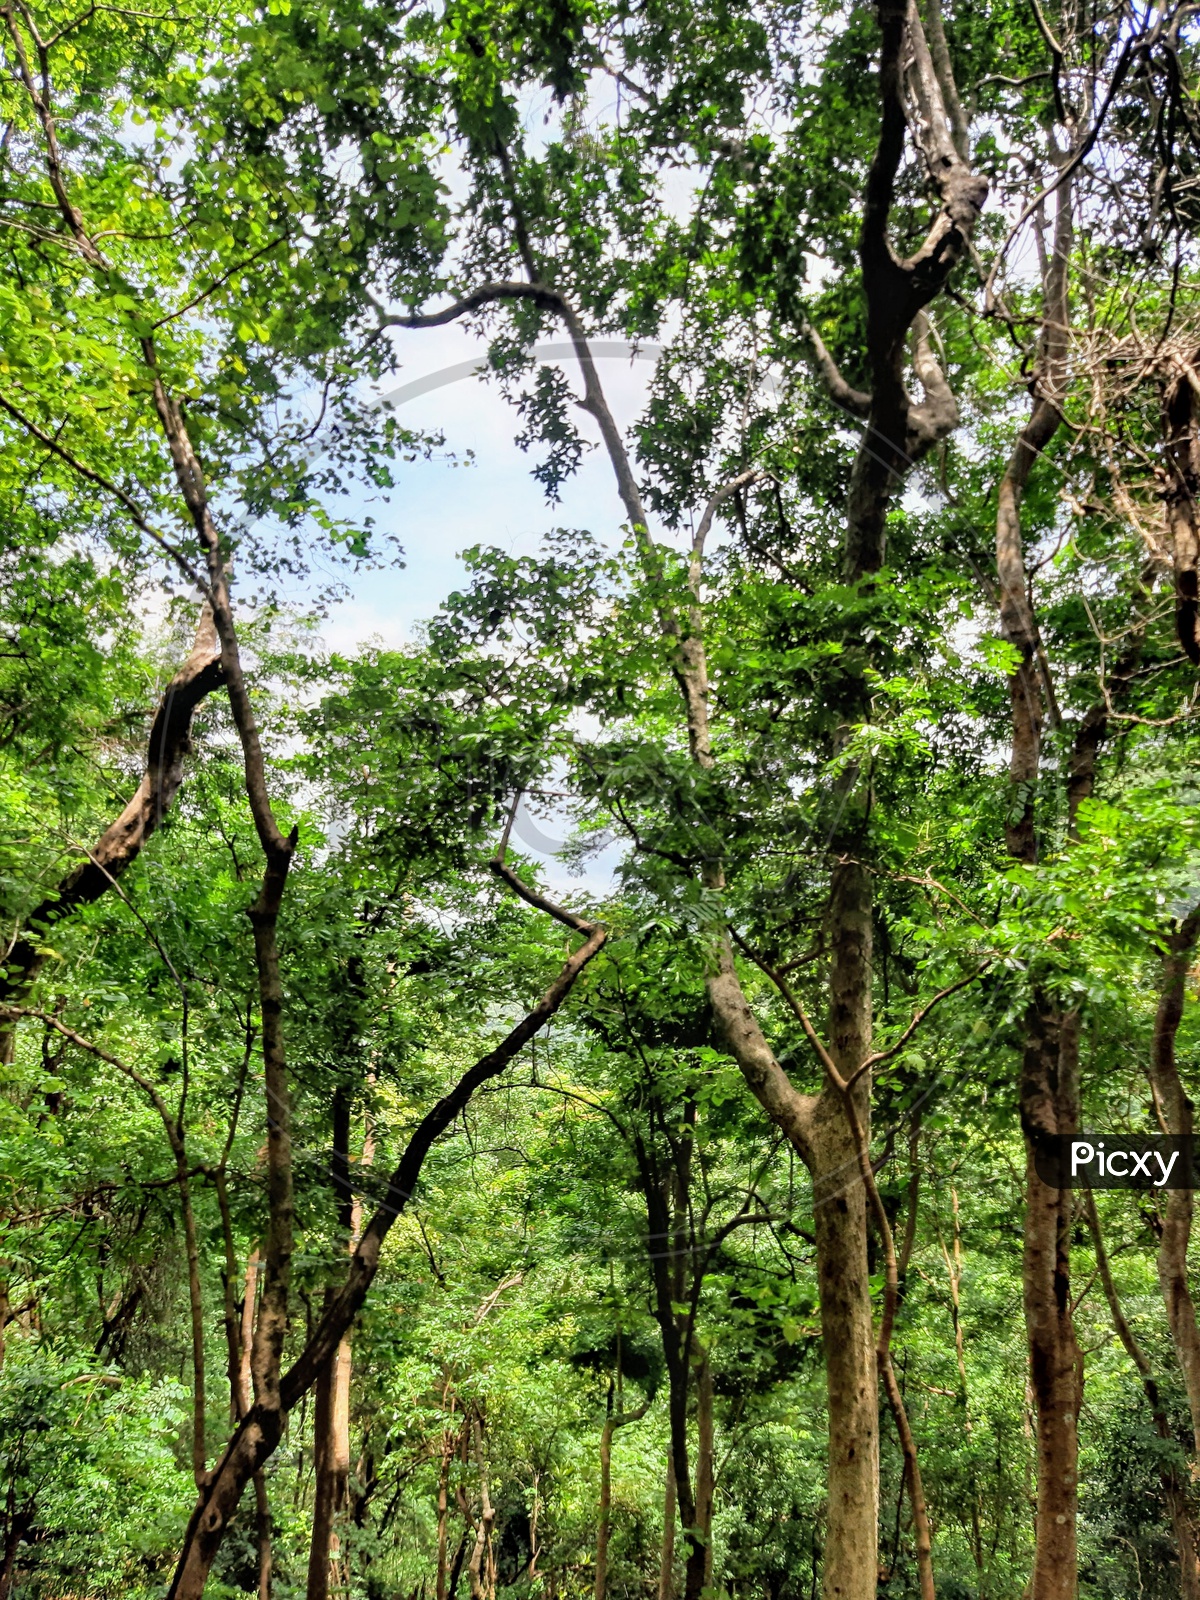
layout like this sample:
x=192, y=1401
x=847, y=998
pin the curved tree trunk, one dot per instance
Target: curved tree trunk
x=121, y=842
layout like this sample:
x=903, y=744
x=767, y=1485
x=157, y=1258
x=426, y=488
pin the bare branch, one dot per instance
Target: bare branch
x=487, y=294
x=877, y=1056
x=855, y=401
x=540, y=901
x=136, y=515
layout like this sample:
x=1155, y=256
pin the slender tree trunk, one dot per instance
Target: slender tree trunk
x=243, y=1399
x=843, y=1275
x=666, y=1565
x=1178, y=1112
x=671, y=1246
x=1049, y=1072
x=456, y=1567
x=1049, y=1108
x=1180, y=417
x=1174, y=1490
x=262, y=1515
x=604, y=1520
x=443, y=1510
x=705, y=1463
x=478, y=1568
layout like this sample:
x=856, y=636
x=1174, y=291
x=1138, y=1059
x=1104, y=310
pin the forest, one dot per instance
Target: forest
x=569, y=1102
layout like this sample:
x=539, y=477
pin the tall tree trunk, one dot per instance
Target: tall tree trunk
x=480, y=1565
x=325, y=1477
x=1049, y=1109
x=666, y=1564
x=1180, y=417
x=705, y=1463
x=1049, y=1072
x=848, y=1341
x=604, y=1520
x=1174, y=1488
x=1178, y=1112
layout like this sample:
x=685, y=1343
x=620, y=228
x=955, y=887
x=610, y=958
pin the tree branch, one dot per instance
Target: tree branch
x=855, y=401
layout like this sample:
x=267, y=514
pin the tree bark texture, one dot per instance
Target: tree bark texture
x=705, y=1464
x=1049, y=1107
x=1181, y=414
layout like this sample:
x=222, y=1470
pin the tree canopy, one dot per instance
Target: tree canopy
x=392, y=1210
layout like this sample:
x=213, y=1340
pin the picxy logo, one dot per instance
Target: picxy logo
x=1112, y=1161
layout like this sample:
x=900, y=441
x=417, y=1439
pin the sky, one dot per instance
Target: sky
x=443, y=505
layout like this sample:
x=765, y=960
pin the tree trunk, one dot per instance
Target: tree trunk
x=604, y=1520
x=671, y=1245
x=443, y=1509
x=262, y=1515
x=1180, y=416
x=1178, y=1113
x=666, y=1565
x=843, y=1276
x=1174, y=1490
x=705, y=1463
x=325, y=1459
x=1049, y=1108
x=848, y=1341
x=479, y=1566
